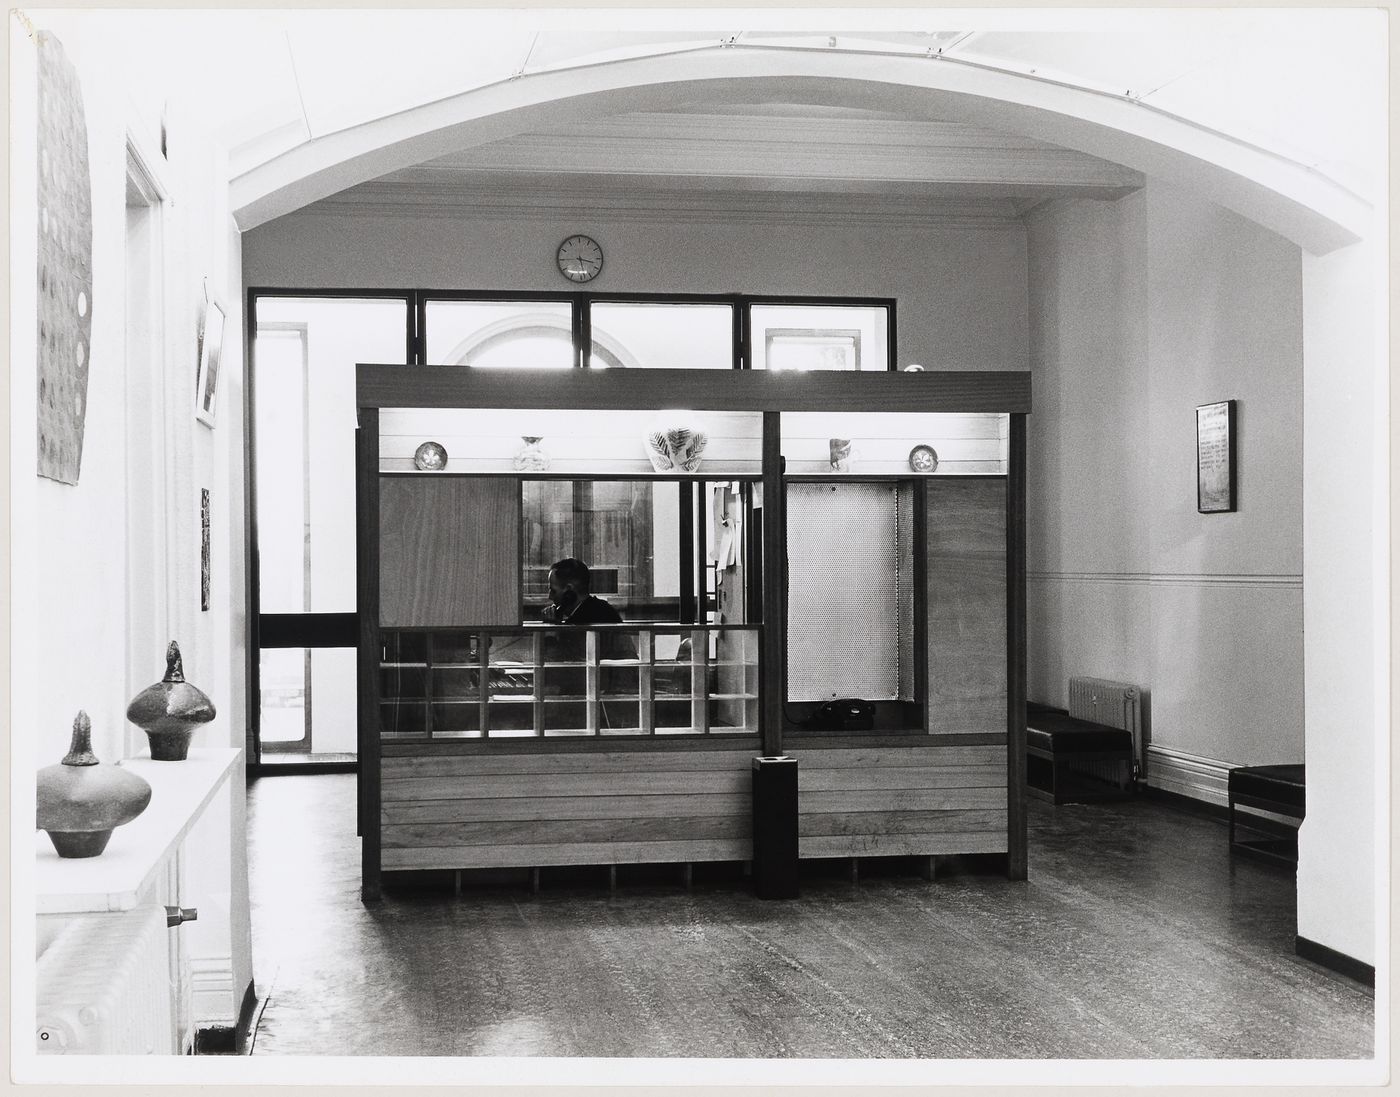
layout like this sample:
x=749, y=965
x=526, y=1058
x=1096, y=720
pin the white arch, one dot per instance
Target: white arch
x=613, y=352
x=1294, y=200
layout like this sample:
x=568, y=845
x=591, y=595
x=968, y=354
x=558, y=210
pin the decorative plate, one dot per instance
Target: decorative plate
x=923, y=459
x=430, y=457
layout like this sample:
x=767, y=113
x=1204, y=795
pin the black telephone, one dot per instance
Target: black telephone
x=843, y=714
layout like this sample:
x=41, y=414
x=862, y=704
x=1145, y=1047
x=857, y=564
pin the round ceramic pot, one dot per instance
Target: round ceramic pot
x=170, y=711
x=81, y=801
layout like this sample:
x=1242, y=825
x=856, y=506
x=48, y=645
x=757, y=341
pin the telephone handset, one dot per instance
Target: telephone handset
x=844, y=714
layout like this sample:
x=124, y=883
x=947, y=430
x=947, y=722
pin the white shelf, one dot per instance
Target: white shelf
x=115, y=880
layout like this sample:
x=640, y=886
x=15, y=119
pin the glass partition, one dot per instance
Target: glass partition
x=499, y=334
x=820, y=337
x=659, y=335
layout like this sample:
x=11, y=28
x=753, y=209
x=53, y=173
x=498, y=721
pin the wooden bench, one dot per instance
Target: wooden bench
x=1069, y=760
x=1280, y=790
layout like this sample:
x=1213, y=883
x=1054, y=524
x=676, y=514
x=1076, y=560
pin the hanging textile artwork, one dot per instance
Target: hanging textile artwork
x=65, y=264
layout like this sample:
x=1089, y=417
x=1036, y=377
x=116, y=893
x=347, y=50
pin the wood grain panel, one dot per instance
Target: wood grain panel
x=566, y=807
x=905, y=777
x=865, y=740
x=449, y=551
x=563, y=784
x=580, y=853
x=484, y=764
x=901, y=756
x=386, y=386
x=967, y=604
x=990, y=820
x=637, y=747
x=570, y=831
x=911, y=800
x=898, y=845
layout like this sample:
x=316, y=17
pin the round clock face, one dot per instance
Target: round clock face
x=923, y=459
x=580, y=259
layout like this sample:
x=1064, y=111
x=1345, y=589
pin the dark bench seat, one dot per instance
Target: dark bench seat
x=1071, y=760
x=1280, y=790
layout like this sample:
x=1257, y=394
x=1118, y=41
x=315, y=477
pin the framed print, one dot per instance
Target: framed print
x=1215, y=457
x=211, y=343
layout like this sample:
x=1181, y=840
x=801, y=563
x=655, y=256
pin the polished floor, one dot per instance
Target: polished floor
x=1136, y=937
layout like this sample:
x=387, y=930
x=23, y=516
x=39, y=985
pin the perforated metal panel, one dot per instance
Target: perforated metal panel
x=844, y=597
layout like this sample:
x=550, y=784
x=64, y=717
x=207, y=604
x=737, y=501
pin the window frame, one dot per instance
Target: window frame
x=316, y=630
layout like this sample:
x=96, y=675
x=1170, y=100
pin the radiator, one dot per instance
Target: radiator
x=1113, y=703
x=104, y=987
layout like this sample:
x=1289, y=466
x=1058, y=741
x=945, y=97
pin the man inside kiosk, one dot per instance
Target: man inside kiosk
x=571, y=603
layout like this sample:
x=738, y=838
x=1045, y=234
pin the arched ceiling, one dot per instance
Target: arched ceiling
x=1273, y=112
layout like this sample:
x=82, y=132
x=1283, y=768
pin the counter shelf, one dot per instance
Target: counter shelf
x=516, y=684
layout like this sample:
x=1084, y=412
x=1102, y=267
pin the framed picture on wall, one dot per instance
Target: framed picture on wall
x=1215, y=457
x=211, y=344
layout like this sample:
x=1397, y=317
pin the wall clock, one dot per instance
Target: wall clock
x=580, y=258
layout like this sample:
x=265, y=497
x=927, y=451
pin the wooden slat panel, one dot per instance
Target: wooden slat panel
x=911, y=800
x=890, y=845
x=484, y=764
x=990, y=820
x=864, y=740
x=899, y=757
x=912, y=777
x=703, y=390
x=571, y=831
x=568, y=807
x=565, y=784
x=449, y=550
x=967, y=653
x=583, y=853
x=670, y=744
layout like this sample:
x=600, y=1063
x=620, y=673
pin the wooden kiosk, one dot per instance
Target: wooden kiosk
x=487, y=739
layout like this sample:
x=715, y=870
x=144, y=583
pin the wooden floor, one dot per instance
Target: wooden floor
x=1135, y=937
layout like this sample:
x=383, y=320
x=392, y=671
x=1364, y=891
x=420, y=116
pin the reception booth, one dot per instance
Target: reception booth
x=824, y=567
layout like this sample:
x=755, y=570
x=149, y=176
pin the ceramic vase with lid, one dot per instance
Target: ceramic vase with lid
x=170, y=711
x=80, y=800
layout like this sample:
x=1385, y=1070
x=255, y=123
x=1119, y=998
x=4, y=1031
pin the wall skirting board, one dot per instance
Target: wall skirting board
x=211, y=989
x=1187, y=775
x=229, y=1039
x=1337, y=961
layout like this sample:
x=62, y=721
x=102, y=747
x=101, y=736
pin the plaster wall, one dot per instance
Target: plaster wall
x=81, y=634
x=1141, y=310
x=1340, y=860
x=961, y=289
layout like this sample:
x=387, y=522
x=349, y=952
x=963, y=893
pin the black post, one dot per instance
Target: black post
x=775, y=827
x=1016, y=857
x=367, y=661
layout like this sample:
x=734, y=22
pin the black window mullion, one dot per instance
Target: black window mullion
x=742, y=360
x=417, y=328
x=583, y=331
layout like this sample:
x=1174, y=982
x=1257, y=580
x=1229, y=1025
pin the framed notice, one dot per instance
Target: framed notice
x=1215, y=457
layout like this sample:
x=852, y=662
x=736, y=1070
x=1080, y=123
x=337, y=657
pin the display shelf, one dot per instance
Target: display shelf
x=136, y=853
x=595, y=444
x=967, y=444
